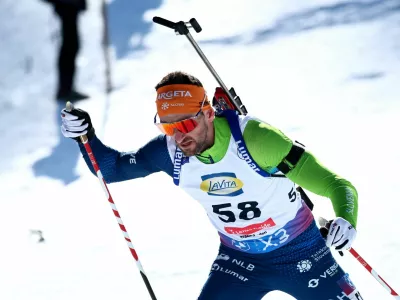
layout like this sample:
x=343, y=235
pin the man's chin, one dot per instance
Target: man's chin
x=189, y=151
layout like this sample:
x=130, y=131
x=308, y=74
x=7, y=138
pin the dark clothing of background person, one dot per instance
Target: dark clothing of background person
x=68, y=11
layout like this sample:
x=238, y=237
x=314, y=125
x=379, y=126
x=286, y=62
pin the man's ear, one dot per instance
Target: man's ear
x=210, y=114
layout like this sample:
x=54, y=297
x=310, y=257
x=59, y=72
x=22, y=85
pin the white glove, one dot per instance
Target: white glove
x=341, y=234
x=76, y=123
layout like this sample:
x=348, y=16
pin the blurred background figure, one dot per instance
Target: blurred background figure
x=67, y=11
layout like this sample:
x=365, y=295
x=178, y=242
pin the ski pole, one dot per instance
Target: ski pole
x=374, y=274
x=96, y=168
x=182, y=28
x=362, y=261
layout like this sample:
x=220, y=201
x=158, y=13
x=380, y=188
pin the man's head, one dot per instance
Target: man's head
x=184, y=112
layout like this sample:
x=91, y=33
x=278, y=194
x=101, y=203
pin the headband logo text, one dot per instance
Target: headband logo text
x=172, y=94
x=166, y=105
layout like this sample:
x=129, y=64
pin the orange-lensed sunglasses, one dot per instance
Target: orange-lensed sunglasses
x=184, y=126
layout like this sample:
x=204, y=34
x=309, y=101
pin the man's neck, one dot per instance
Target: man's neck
x=210, y=137
x=217, y=141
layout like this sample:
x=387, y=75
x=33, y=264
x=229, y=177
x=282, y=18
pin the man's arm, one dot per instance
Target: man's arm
x=310, y=174
x=119, y=166
x=268, y=146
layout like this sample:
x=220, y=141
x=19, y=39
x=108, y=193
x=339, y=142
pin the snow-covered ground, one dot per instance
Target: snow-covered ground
x=324, y=72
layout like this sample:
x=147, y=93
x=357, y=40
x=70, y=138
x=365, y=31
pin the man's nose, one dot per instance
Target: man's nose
x=178, y=136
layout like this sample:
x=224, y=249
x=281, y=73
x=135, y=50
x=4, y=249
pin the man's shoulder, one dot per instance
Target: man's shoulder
x=255, y=125
x=261, y=135
x=159, y=151
x=251, y=126
x=159, y=139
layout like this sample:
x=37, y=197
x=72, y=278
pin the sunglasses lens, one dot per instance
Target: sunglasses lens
x=184, y=126
x=166, y=128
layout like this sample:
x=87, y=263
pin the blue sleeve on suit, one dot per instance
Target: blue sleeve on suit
x=119, y=166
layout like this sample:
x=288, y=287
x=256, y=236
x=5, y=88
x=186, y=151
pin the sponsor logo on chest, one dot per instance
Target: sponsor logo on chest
x=221, y=184
x=250, y=229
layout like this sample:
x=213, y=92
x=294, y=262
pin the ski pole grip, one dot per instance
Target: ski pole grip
x=164, y=22
x=68, y=107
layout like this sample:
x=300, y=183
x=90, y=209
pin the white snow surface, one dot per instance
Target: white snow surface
x=325, y=72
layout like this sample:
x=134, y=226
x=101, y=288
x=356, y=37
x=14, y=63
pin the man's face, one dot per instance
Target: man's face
x=193, y=142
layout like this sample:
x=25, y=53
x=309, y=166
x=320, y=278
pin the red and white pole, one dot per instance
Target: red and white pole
x=322, y=221
x=103, y=184
x=374, y=274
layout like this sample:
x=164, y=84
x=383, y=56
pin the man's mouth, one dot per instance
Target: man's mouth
x=186, y=144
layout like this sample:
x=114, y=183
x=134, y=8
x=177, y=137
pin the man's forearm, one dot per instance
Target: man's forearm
x=106, y=158
x=310, y=174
